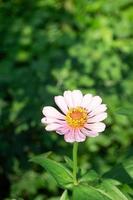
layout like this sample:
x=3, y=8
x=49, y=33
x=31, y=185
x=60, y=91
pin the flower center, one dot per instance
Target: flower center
x=76, y=117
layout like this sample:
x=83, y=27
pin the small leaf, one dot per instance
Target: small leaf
x=84, y=192
x=47, y=154
x=64, y=196
x=61, y=174
x=69, y=162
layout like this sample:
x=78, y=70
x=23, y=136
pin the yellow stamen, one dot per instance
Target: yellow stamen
x=76, y=117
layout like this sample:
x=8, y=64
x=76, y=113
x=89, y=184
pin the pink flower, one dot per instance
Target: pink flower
x=80, y=116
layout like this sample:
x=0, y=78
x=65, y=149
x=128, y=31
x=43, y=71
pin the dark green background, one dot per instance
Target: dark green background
x=46, y=47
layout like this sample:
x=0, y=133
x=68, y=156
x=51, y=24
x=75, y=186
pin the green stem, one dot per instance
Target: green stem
x=75, y=168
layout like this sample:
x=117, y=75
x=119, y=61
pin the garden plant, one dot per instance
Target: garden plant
x=50, y=48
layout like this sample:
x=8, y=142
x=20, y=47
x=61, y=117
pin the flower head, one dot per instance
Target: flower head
x=80, y=116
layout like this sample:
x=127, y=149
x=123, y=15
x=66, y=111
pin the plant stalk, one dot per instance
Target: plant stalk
x=75, y=167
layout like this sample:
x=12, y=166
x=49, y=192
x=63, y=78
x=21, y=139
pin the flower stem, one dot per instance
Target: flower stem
x=75, y=168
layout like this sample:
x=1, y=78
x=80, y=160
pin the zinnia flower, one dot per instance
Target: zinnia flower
x=80, y=116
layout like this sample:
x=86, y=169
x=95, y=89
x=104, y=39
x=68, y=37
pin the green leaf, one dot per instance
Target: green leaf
x=64, y=196
x=61, y=174
x=120, y=173
x=128, y=191
x=128, y=164
x=47, y=154
x=69, y=162
x=89, y=176
x=106, y=187
x=84, y=192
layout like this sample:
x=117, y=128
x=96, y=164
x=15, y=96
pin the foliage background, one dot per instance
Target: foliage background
x=48, y=46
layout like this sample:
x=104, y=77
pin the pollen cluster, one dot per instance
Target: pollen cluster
x=76, y=117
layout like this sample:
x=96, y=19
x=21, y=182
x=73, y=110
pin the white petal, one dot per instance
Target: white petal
x=60, y=101
x=63, y=130
x=86, y=100
x=43, y=120
x=52, y=127
x=89, y=133
x=68, y=98
x=96, y=127
x=101, y=108
x=77, y=97
x=79, y=137
x=96, y=101
x=70, y=137
x=50, y=111
x=98, y=118
x=48, y=120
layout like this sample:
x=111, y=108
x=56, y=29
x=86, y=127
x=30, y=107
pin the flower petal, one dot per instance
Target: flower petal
x=96, y=127
x=77, y=97
x=60, y=101
x=70, y=137
x=86, y=100
x=68, y=98
x=50, y=111
x=101, y=108
x=96, y=101
x=63, y=130
x=52, y=127
x=98, y=118
x=79, y=137
x=43, y=120
x=48, y=120
x=89, y=133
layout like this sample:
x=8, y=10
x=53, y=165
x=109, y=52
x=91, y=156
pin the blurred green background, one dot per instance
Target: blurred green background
x=46, y=47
